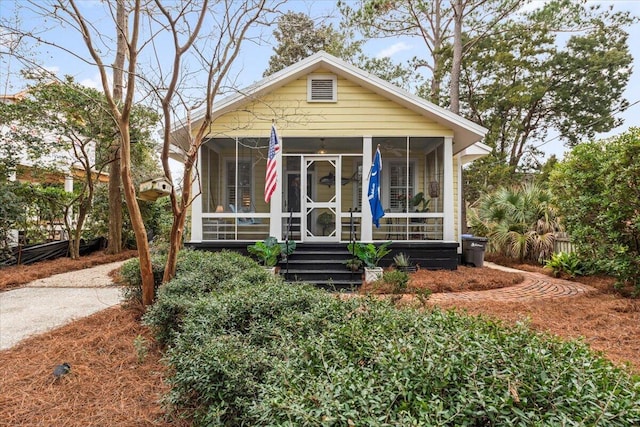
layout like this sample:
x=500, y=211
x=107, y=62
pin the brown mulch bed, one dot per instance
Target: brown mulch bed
x=607, y=322
x=460, y=280
x=18, y=275
x=110, y=385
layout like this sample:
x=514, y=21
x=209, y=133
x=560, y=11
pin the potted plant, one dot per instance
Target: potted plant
x=403, y=263
x=421, y=205
x=370, y=255
x=353, y=264
x=287, y=248
x=266, y=252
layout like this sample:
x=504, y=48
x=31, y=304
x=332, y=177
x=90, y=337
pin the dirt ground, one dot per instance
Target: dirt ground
x=116, y=376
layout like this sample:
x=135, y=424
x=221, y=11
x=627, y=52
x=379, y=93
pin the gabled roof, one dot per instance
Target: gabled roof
x=465, y=131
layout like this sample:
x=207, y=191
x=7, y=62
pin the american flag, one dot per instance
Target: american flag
x=272, y=171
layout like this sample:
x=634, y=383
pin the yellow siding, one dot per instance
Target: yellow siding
x=357, y=112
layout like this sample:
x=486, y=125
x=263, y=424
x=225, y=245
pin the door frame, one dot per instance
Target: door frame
x=333, y=204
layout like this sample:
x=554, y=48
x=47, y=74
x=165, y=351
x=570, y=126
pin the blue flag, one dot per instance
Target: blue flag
x=377, y=211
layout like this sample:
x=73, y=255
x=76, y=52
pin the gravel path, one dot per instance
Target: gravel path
x=47, y=303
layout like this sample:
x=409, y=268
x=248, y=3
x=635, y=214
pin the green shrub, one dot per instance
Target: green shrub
x=176, y=298
x=567, y=263
x=278, y=354
x=394, y=280
x=212, y=267
x=594, y=190
x=229, y=342
x=390, y=367
x=131, y=279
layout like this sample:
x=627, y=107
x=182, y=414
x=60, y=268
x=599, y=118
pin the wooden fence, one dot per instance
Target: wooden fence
x=563, y=244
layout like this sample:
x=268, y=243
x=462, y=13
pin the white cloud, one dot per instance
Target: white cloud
x=534, y=5
x=93, y=82
x=393, y=49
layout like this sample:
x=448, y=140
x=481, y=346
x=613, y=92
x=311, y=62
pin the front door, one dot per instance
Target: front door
x=320, y=207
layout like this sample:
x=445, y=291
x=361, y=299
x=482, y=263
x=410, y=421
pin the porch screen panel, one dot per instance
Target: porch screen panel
x=239, y=196
x=434, y=177
x=211, y=178
x=398, y=173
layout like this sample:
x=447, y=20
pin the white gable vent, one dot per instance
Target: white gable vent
x=322, y=88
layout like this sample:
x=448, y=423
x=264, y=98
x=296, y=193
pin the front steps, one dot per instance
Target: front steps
x=321, y=265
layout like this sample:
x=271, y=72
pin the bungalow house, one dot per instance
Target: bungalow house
x=330, y=118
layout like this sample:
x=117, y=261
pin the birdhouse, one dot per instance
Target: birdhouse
x=152, y=189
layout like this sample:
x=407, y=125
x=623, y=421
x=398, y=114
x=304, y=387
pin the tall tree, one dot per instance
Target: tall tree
x=439, y=25
x=522, y=81
x=115, y=194
x=299, y=36
x=66, y=127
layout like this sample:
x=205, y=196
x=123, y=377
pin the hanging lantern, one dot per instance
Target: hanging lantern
x=434, y=189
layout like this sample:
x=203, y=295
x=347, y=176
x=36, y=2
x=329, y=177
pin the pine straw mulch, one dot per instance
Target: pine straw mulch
x=460, y=280
x=17, y=275
x=109, y=384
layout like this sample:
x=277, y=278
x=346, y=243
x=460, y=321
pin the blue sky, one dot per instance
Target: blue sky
x=254, y=57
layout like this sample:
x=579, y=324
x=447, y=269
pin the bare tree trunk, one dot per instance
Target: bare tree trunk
x=456, y=65
x=115, y=195
x=179, y=218
x=146, y=272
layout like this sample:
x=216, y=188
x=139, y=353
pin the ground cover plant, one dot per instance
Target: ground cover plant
x=112, y=384
x=263, y=352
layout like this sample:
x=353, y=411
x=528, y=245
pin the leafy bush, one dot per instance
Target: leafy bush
x=390, y=367
x=176, y=298
x=595, y=187
x=230, y=341
x=247, y=349
x=278, y=354
x=393, y=280
x=213, y=267
x=131, y=280
x=567, y=263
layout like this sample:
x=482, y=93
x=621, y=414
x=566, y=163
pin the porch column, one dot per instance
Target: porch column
x=459, y=200
x=68, y=183
x=448, y=208
x=366, y=224
x=196, y=204
x=275, y=204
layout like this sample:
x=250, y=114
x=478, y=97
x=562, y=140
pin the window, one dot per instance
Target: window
x=239, y=195
x=322, y=88
x=401, y=185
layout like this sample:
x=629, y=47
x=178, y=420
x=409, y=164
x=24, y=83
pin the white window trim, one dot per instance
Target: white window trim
x=332, y=77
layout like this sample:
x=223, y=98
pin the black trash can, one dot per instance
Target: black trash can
x=473, y=250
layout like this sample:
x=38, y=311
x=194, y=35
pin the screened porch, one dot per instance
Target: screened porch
x=322, y=191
